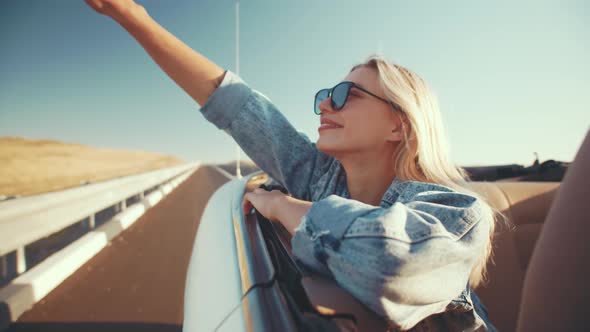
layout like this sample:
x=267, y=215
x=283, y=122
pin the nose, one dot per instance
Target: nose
x=326, y=105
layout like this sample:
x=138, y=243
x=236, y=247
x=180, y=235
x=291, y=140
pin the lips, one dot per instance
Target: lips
x=329, y=123
x=328, y=126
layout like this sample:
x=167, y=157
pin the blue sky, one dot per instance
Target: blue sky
x=511, y=78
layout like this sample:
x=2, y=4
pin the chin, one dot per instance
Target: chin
x=329, y=148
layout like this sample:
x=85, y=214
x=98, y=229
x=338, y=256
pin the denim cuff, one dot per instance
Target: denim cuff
x=308, y=250
x=226, y=101
x=333, y=215
x=321, y=230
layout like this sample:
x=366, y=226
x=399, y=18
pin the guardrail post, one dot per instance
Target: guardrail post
x=21, y=260
x=123, y=205
x=4, y=266
x=91, y=221
x=141, y=195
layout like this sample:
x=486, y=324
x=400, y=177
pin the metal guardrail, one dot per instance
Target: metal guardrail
x=29, y=219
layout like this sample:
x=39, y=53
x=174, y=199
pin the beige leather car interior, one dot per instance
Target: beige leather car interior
x=556, y=290
x=526, y=205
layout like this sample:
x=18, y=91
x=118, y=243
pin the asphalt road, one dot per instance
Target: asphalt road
x=137, y=282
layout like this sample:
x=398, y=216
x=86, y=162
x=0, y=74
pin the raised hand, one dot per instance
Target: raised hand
x=116, y=9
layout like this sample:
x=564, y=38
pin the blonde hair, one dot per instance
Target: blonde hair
x=424, y=155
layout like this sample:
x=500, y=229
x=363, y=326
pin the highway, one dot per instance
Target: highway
x=137, y=282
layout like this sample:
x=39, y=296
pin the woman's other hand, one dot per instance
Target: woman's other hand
x=266, y=202
x=116, y=9
x=276, y=206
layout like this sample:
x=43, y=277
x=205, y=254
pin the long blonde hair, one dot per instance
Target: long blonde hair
x=424, y=153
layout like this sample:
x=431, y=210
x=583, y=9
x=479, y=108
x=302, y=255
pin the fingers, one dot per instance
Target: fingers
x=93, y=4
x=247, y=205
x=258, y=198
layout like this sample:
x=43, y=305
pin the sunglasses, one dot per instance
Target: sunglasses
x=339, y=95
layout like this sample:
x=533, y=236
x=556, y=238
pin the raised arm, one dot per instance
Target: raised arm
x=193, y=72
x=226, y=100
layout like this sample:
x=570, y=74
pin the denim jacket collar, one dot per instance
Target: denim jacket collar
x=392, y=193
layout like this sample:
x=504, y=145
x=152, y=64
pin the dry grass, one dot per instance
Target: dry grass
x=29, y=167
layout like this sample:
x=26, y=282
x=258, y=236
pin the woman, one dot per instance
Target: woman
x=375, y=204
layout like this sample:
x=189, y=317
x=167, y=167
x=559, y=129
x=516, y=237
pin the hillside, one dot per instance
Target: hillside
x=29, y=167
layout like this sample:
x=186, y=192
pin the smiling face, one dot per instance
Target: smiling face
x=364, y=125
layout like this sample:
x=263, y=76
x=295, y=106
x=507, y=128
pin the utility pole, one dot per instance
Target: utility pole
x=238, y=170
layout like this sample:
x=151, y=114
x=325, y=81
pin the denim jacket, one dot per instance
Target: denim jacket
x=408, y=259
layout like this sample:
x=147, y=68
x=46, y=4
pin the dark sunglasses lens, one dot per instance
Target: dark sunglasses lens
x=340, y=94
x=319, y=97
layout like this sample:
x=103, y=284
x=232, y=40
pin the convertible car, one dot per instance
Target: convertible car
x=242, y=276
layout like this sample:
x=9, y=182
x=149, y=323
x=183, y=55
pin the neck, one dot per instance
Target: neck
x=369, y=175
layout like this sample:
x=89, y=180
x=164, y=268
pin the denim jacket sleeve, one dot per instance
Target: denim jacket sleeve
x=262, y=131
x=406, y=261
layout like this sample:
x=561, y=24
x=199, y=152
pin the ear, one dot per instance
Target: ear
x=396, y=135
x=398, y=127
